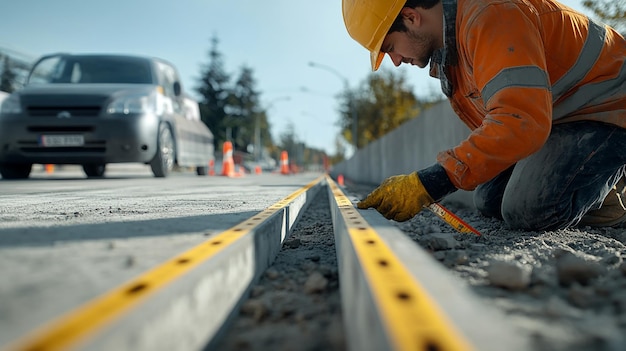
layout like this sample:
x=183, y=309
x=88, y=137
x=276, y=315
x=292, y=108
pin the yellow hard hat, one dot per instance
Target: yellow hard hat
x=368, y=22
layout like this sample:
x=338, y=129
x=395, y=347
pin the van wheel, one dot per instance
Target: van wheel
x=163, y=161
x=94, y=170
x=15, y=170
x=202, y=171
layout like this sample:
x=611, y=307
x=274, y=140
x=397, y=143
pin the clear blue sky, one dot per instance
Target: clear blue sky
x=276, y=38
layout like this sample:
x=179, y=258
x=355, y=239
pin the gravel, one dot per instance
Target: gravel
x=565, y=289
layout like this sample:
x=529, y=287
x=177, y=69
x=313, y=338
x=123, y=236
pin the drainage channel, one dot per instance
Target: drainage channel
x=310, y=272
x=296, y=304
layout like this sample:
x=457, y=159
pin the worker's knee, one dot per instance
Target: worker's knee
x=534, y=216
x=488, y=196
x=488, y=207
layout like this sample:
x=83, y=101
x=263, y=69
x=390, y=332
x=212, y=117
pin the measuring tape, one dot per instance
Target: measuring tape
x=455, y=222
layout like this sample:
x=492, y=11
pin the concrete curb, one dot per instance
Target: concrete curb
x=189, y=300
x=482, y=326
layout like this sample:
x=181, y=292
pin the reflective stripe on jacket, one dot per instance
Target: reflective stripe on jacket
x=523, y=65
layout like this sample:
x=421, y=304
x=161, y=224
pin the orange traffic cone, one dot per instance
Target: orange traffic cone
x=49, y=168
x=340, y=179
x=212, y=167
x=228, y=164
x=284, y=163
x=257, y=169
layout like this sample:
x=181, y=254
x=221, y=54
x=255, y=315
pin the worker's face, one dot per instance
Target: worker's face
x=413, y=46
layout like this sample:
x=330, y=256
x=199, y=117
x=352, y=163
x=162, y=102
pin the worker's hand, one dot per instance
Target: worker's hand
x=399, y=197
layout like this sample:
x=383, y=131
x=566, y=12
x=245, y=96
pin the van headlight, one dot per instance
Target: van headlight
x=133, y=104
x=11, y=105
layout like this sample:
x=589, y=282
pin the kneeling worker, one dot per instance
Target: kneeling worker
x=542, y=88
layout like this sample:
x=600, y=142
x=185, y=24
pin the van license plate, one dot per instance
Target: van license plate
x=61, y=140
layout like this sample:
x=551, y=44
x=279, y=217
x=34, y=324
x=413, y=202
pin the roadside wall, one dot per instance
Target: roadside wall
x=411, y=147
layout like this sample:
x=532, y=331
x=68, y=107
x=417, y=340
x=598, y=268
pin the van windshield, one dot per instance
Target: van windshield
x=91, y=69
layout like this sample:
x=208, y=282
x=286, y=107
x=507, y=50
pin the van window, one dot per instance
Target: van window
x=47, y=70
x=92, y=69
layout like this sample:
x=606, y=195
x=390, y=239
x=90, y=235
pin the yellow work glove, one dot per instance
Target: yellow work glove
x=399, y=197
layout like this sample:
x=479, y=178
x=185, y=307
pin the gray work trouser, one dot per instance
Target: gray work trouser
x=554, y=187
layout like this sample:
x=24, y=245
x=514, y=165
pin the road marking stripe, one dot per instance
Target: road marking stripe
x=75, y=327
x=412, y=319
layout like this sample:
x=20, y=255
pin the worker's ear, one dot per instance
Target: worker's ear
x=411, y=16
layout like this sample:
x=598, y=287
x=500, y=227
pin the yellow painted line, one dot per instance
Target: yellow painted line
x=412, y=318
x=75, y=327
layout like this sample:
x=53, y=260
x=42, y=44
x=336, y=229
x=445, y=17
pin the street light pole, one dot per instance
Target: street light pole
x=350, y=102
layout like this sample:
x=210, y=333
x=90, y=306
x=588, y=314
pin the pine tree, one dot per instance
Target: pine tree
x=214, y=93
x=244, y=103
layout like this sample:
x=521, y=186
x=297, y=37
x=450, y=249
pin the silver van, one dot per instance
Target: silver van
x=92, y=110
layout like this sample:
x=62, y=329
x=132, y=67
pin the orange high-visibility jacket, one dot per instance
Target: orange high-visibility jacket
x=524, y=65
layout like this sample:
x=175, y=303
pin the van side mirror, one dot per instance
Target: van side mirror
x=177, y=89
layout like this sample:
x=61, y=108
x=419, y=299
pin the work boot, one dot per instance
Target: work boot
x=613, y=210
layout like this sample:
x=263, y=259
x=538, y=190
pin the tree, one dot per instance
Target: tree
x=245, y=109
x=382, y=103
x=340, y=153
x=611, y=12
x=8, y=77
x=288, y=141
x=230, y=111
x=266, y=135
x=314, y=159
x=214, y=94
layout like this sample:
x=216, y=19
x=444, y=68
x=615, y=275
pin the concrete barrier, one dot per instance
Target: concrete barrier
x=412, y=146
